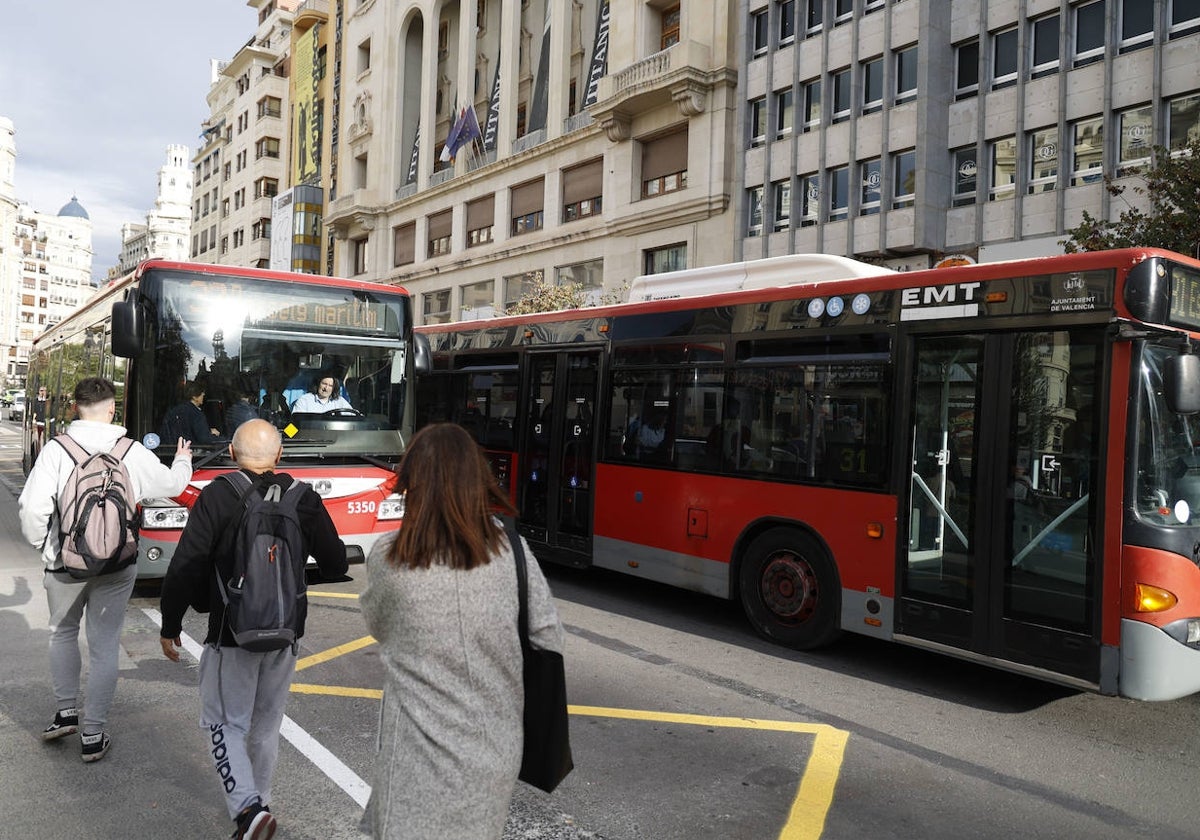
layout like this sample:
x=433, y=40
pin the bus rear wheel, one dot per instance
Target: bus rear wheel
x=789, y=589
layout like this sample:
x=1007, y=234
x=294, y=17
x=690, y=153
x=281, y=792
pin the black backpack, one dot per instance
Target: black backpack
x=264, y=597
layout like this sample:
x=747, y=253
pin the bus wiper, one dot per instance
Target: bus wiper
x=207, y=458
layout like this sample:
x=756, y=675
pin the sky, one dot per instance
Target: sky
x=97, y=91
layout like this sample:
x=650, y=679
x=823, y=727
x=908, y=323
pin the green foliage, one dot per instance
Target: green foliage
x=544, y=296
x=1172, y=184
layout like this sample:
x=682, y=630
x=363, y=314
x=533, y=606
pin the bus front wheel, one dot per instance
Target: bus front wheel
x=789, y=589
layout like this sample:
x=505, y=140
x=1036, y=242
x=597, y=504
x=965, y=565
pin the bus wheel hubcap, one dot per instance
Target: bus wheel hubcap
x=789, y=587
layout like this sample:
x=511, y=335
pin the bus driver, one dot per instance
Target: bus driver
x=328, y=397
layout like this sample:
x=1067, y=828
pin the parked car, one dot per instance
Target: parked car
x=9, y=393
x=16, y=411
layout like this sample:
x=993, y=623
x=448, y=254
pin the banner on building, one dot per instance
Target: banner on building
x=492, y=122
x=599, y=64
x=412, y=159
x=306, y=122
x=281, y=232
x=541, y=81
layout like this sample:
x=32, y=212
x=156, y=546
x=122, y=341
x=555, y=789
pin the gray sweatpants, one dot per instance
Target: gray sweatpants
x=242, y=697
x=99, y=602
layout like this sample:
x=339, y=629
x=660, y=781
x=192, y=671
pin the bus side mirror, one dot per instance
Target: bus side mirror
x=422, y=354
x=1181, y=383
x=128, y=329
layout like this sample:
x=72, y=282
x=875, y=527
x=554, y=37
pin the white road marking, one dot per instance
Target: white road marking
x=309, y=747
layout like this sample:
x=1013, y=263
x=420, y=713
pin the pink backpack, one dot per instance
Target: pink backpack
x=97, y=513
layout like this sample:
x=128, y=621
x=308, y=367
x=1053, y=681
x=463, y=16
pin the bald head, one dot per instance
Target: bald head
x=256, y=446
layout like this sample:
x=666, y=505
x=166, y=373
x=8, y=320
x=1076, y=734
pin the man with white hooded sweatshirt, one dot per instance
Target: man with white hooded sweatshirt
x=101, y=600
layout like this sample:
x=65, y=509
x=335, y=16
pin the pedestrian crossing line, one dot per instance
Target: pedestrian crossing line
x=334, y=652
x=338, y=691
x=814, y=797
x=348, y=595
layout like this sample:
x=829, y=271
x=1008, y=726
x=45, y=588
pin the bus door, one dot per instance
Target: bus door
x=1000, y=556
x=557, y=475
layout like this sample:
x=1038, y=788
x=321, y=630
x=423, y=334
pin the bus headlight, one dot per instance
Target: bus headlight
x=391, y=509
x=164, y=518
x=1154, y=598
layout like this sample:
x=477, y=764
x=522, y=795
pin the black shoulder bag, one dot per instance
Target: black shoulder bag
x=546, y=760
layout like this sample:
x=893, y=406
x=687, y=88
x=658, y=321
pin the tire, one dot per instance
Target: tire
x=790, y=589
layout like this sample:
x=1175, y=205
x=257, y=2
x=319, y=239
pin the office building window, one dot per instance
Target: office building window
x=839, y=193
x=843, y=10
x=966, y=57
x=873, y=5
x=1044, y=49
x=481, y=220
x=1137, y=24
x=810, y=199
x=670, y=27
x=1185, y=17
x=435, y=307
x=438, y=233
x=754, y=211
x=589, y=275
x=787, y=21
x=872, y=76
x=904, y=179
x=404, y=244
x=758, y=121
x=1136, y=138
x=359, y=255
x=583, y=188
x=841, y=95
x=667, y=258
x=664, y=164
x=478, y=299
x=1004, y=169
x=1183, y=121
x=1043, y=160
x=812, y=105
x=906, y=74
x=527, y=206
x=1089, y=32
x=1087, y=155
x=781, y=201
x=784, y=117
x=814, y=15
x=870, y=178
x=519, y=286
x=1004, y=58
x=759, y=32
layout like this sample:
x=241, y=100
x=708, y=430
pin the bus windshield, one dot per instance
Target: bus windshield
x=1168, y=451
x=267, y=343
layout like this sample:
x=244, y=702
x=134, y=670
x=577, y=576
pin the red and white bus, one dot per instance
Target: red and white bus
x=999, y=462
x=233, y=331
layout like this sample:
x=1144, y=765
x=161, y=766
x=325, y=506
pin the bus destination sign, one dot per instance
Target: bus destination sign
x=358, y=316
x=1185, y=297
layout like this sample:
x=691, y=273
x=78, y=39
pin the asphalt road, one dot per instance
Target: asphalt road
x=684, y=724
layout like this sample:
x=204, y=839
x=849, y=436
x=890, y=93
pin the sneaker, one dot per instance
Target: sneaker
x=95, y=746
x=66, y=722
x=254, y=823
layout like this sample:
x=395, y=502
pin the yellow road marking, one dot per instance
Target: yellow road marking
x=334, y=653
x=338, y=691
x=314, y=594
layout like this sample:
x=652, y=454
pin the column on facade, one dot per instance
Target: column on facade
x=510, y=47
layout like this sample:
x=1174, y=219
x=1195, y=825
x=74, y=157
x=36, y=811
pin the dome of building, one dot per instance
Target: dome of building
x=75, y=209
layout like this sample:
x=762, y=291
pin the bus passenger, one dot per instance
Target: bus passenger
x=98, y=602
x=186, y=420
x=328, y=397
x=441, y=598
x=242, y=410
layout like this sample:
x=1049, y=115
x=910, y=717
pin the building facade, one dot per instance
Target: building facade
x=594, y=142
x=900, y=132
x=239, y=167
x=166, y=231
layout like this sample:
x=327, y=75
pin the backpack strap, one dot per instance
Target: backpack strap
x=76, y=452
x=121, y=448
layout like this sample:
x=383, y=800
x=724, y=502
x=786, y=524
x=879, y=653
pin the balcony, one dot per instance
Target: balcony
x=682, y=74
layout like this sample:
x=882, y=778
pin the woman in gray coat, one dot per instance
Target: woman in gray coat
x=441, y=600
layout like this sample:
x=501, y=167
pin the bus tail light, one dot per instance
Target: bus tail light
x=1154, y=598
x=391, y=509
x=164, y=518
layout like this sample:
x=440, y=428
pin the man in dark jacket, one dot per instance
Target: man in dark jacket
x=186, y=420
x=242, y=693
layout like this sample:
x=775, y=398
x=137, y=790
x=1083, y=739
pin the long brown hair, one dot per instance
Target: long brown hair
x=450, y=498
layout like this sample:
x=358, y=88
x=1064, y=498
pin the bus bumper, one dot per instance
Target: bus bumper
x=1154, y=666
